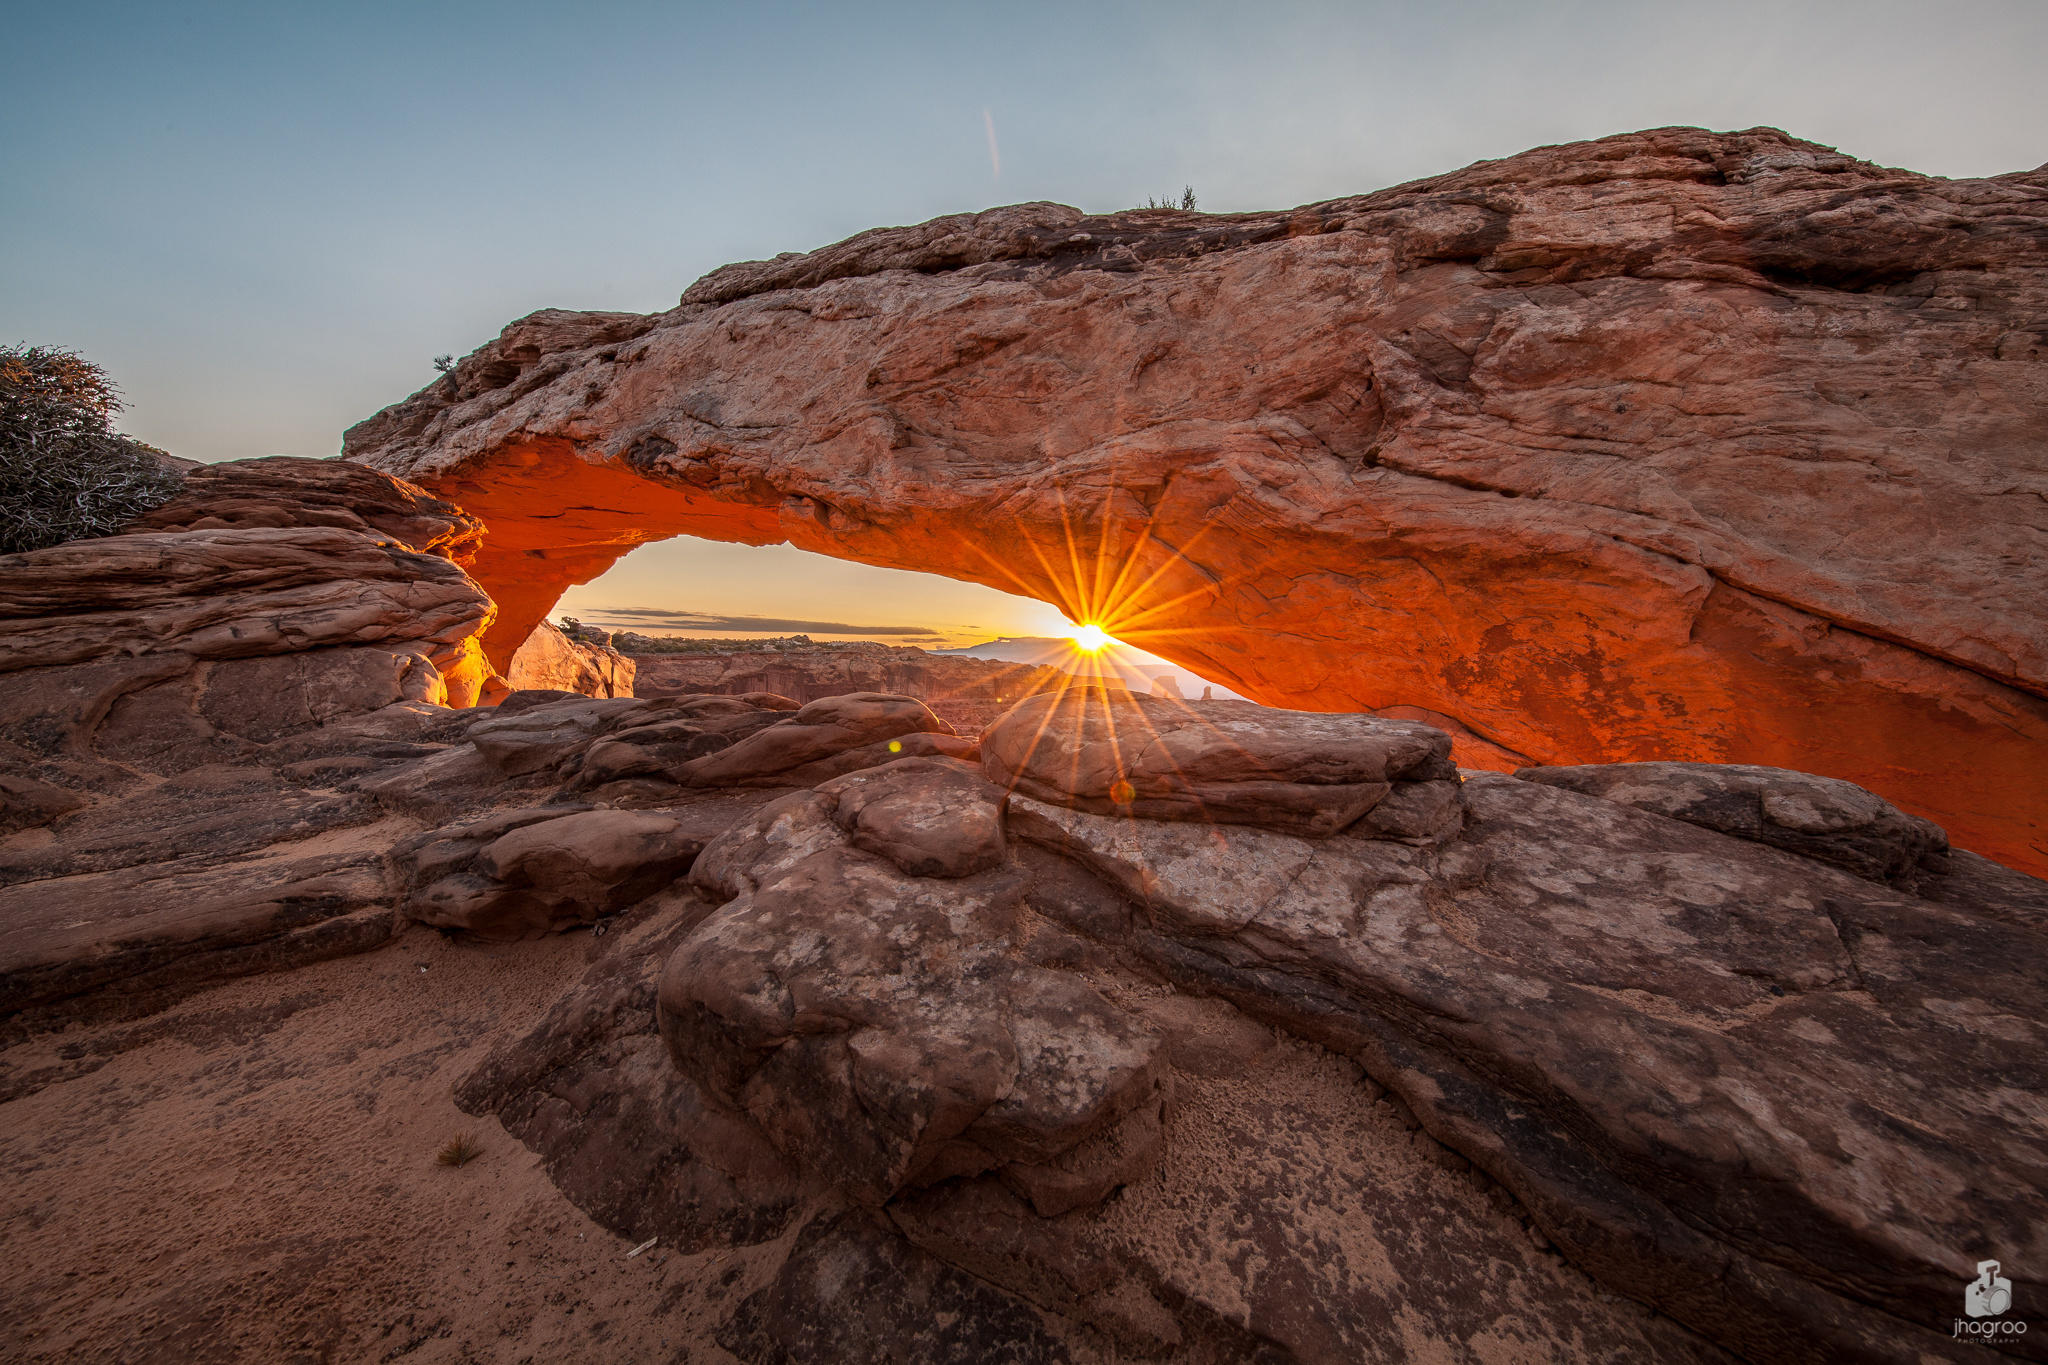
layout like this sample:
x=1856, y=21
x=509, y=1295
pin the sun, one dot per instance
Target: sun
x=1091, y=639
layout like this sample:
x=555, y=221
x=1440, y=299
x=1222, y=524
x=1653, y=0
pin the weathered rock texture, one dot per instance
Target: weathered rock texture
x=835, y=669
x=551, y=661
x=1747, y=1046
x=1675, y=445
x=877, y=1023
x=1228, y=763
x=191, y=714
x=261, y=559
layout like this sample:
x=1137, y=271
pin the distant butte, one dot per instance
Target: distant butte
x=1673, y=445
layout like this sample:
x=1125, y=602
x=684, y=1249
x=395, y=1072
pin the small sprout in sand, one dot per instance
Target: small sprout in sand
x=460, y=1151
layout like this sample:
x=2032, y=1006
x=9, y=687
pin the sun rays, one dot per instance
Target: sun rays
x=1118, y=582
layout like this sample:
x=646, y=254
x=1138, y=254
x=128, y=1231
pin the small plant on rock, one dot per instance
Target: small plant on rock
x=459, y=1150
x=444, y=363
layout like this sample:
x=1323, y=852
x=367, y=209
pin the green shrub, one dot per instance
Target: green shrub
x=65, y=473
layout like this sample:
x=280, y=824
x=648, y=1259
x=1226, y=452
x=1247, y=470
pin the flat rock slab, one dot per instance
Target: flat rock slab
x=1701, y=1061
x=1227, y=763
x=146, y=933
x=1822, y=818
x=214, y=813
x=1299, y=1219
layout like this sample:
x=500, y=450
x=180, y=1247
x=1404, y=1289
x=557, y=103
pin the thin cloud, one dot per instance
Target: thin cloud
x=995, y=158
x=697, y=620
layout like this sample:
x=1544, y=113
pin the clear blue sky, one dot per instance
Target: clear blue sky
x=265, y=220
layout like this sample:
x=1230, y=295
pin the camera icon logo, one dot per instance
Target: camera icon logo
x=1989, y=1294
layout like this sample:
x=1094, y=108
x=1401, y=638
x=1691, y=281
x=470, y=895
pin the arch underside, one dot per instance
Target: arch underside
x=1528, y=654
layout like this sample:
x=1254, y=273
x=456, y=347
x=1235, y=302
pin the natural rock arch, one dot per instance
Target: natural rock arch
x=1672, y=445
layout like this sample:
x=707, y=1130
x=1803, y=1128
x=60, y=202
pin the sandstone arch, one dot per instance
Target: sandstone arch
x=1674, y=445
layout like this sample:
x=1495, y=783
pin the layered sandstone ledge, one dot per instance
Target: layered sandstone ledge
x=1674, y=445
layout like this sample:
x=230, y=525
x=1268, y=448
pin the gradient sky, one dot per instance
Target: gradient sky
x=265, y=220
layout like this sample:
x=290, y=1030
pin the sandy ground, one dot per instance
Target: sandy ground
x=252, y=1176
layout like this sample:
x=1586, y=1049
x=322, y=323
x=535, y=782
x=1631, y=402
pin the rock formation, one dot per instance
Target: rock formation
x=1675, y=445
x=550, y=661
x=1131, y=1027
x=1126, y=1028
x=186, y=707
x=1676, y=1016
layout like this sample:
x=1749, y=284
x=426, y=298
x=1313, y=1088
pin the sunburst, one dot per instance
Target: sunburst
x=1090, y=638
x=1117, y=599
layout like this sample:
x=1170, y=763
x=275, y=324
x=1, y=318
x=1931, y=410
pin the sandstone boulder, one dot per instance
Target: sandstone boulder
x=520, y=873
x=690, y=728
x=1226, y=763
x=551, y=660
x=878, y=1028
x=930, y=817
x=625, y=1133
x=1821, y=818
x=825, y=738
x=542, y=737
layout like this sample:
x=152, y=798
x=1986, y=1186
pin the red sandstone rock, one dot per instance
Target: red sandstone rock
x=289, y=491
x=552, y=661
x=171, y=821
x=946, y=683
x=1785, y=1105
x=1226, y=763
x=930, y=817
x=798, y=749
x=1735, y=1028
x=523, y=873
x=876, y=1023
x=1821, y=818
x=1675, y=445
